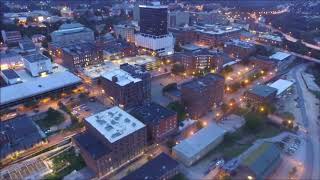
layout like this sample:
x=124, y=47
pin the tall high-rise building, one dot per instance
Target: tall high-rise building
x=154, y=34
x=153, y=20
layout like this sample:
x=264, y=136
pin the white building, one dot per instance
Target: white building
x=10, y=76
x=73, y=32
x=282, y=86
x=163, y=45
x=37, y=64
x=282, y=59
x=125, y=32
x=178, y=18
x=114, y=123
x=198, y=145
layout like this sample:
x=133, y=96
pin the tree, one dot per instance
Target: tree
x=254, y=121
x=179, y=108
x=169, y=87
x=177, y=69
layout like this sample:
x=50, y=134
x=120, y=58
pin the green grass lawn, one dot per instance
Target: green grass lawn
x=236, y=143
x=65, y=163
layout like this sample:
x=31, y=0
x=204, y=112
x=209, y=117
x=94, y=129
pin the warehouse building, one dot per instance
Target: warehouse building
x=282, y=86
x=260, y=163
x=198, y=145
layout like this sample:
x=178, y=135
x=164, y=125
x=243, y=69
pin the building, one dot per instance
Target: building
x=270, y=39
x=202, y=94
x=73, y=32
x=184, y=35
x=212, y=17
x=262, y=62
x=27, y=46
x=238, y=49
x=178, y=18
x=10, y=59
x=117, y=50
x=32, y=88
x=19, y=134
x=10, y=76
x=81, y=55
x=112, y=138
x=154, y=36
x=127, y=88
x=192, y=149
x=145, y=76
x=160, y=121
x=125, y=32
x=282, y=86
x=282, y=60
x=199, y=60
x=11, y=37
x=260, y=163
x=259, y=95
x=37, y=64
x=161, y=167
x=216, y=35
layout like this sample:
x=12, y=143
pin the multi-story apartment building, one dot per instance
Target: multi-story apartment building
x=127, y=88
x=125, y=32
x=73, y=32
x=79, y=55
x=112, y=138
x=178, y=18
x=260, y=95
x=239, y=49
x=201, y=94
x=160, y=121
x=143, y=74
x=199, y=60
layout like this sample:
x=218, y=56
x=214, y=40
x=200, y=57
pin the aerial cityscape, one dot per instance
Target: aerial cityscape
x=160, y=90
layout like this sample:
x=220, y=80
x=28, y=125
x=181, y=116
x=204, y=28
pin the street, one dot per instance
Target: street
x=309, y=112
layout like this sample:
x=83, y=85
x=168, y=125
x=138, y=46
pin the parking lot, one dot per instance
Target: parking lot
x=28, y=170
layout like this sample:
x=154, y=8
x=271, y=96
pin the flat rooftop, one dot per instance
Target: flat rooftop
x=10, y=74
x=35, y=57
x=114, y=123
x=190, y=147
x=33, y=86
x=271, y=37
x=123, y=77
x=96, y=71
x=136, y=60
x=239, y=43
x=262, y=90
x=18, y=133
x=281, y=85
x=200, y=83
x=280, y=56
x=152, y=113
x=154, y=169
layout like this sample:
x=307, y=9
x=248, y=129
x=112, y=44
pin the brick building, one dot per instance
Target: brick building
x=202, y=94
x=239, y=49
x=199, y=60
x=159, y=120
x=112, y=138
x=128, y=86
x=259, y=95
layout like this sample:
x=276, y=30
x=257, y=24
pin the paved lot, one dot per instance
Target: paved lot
x=26, y=170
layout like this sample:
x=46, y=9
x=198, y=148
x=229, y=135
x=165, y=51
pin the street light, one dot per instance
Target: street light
x=250, y=177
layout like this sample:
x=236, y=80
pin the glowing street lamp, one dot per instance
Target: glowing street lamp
x=250, y=178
